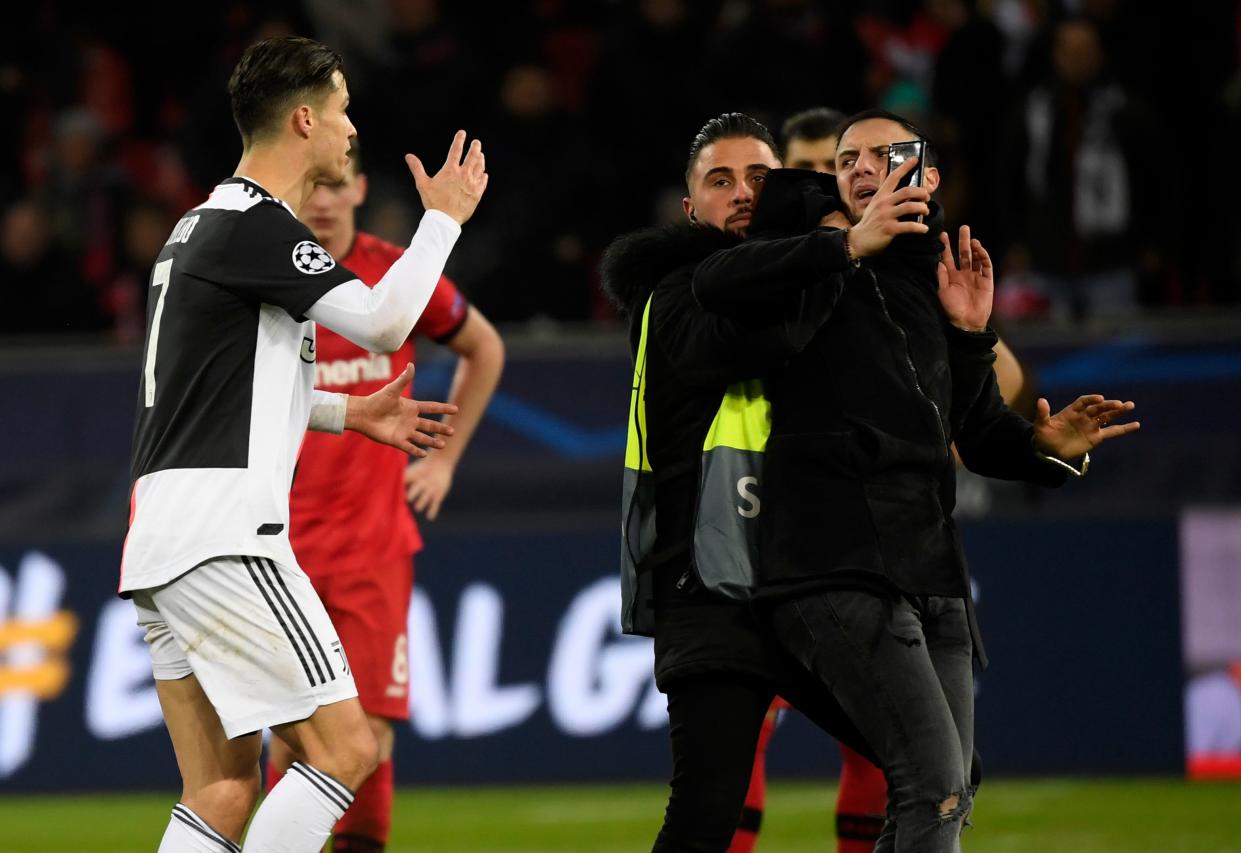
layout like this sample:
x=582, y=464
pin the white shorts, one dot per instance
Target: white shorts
x=255, y=635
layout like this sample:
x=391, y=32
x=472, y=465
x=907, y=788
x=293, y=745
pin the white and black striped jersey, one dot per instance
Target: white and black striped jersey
x=226, y=388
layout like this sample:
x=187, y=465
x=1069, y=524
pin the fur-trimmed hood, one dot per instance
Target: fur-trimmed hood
x=636, y=262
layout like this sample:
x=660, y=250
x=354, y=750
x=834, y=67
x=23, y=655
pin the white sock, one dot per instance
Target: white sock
x=188, y=833
x=299, y=813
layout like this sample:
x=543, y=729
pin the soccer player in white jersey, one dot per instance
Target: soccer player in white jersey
x=238, y=639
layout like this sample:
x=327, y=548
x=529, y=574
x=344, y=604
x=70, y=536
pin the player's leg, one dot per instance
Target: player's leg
x=370, y=609
x=336, y=740
x=280, y=756
x=861, y=803
x=266, y=655
x=365, y=827
x=219, y=776
x=299, y=813
x=713, y=724
x=751, y=821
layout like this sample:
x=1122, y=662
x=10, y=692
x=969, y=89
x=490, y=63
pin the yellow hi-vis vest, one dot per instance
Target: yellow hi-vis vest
x=725, y=546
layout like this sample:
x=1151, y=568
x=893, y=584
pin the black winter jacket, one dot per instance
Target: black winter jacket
x=859, y=482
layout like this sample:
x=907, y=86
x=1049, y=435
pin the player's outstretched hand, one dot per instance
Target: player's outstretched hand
x=427, y=483
x=458, y=186
x=389, y=417
x=1081, y=426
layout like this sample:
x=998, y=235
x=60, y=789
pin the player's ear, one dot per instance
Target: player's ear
x=303, y=120
x=688, y=207
x=361, y=185
x=931, y=179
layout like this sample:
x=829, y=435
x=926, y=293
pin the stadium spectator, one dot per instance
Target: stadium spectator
x=238, y=639
x=349, y=522
x=146, y=227
x=671, y=37
x=85, y=196
x=907, y=331
x=206, y=134
x=969, y=70
x=428, y=62
x=516, y=238
x=1080, y=158
x=718, y=669
x=794, y=51
x=43, y=291
x=146, y=90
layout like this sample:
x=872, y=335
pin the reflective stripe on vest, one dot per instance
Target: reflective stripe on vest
x=637, y=505
x=726, y=515
x=729, y=503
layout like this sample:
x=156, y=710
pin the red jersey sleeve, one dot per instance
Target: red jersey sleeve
x=445, y=313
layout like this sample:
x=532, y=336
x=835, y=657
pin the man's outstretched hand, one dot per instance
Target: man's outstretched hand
x=458, y=186
x=966, y=291
x=1081, y=426
x=389, y=417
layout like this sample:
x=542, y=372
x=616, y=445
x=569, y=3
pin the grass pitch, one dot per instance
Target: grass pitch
x=1011, y=816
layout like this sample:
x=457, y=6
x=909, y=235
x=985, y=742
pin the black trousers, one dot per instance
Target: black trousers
x=903, y=668
x=714, y=722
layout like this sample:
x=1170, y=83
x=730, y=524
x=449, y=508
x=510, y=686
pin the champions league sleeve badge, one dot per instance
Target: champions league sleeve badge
x=311, y=258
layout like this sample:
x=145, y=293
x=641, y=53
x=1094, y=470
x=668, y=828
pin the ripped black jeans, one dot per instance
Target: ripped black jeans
x=902, y=668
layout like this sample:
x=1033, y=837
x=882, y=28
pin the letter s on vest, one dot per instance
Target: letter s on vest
x=749, y=496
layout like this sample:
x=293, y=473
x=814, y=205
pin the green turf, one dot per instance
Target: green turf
x=1078, y=816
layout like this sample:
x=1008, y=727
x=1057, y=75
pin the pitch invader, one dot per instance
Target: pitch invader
x=239, y=641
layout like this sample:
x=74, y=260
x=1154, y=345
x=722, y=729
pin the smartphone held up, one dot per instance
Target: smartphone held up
x=898, y=153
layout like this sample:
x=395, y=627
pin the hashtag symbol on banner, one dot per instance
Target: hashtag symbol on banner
x=48, y=677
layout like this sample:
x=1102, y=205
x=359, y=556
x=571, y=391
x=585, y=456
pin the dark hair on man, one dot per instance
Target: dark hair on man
x=274, y=75
x=728, y=126
x=877, y=112
x=814, y=123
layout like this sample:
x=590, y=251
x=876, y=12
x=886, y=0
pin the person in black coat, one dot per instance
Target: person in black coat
x=862, y=566
x=719, y=670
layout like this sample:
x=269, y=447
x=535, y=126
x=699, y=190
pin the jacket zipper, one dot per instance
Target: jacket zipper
x=909, y=362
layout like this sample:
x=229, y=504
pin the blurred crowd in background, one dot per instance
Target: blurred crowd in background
x=1090, y=144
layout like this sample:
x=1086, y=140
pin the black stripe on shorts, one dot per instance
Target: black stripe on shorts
x=305, y=621
x=289, y=606
x=280, y=619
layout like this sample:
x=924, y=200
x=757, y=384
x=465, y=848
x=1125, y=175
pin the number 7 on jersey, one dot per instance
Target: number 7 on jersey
x=160, y=276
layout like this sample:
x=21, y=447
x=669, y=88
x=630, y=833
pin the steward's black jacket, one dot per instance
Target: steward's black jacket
x=859, y=481
x=691, y=358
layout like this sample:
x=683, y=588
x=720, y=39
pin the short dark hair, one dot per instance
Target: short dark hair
x=274, y=73
x=888, y=115
x=814, y=123
x=728, y=126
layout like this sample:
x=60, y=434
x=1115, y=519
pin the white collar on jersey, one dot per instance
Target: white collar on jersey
x=259, y=188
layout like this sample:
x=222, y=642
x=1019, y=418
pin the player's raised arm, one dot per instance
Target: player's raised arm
x=381, y=318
